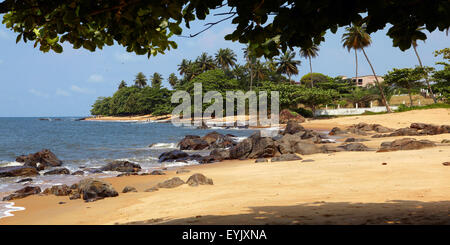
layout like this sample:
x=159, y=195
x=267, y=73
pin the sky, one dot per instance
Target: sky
x=36, y=84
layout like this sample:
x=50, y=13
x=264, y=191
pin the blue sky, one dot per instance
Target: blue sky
x=49, y=84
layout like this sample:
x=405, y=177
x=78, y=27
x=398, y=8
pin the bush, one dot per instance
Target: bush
x=304, y=112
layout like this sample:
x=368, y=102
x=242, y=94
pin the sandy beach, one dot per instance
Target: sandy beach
x=413, y=187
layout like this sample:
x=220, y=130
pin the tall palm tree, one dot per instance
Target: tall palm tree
x=156, y=80
x=251, y=59
x=225, y=58
x=205, y=62
x=419, y=35
x=357, y=38
x=287, y=65
x=309, y=53
x=260, y=70
x=140, y=81
x=173, y=80
x=192, y=70
x=183, y=66
x=122, y=84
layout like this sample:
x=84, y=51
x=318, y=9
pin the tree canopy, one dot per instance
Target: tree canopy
x=147, y=27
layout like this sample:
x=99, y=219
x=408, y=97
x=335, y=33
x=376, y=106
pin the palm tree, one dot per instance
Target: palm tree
x=156, y=80
x=192, y=70
x=419, y=35
x=205, y=62
x=287, y=65
x=309, y=53
x=357, y=38
x=260, y=70
x=225, y=58
x=140, y=81
x=122, y=84
x=251, y=59
x=183, y=66
x=173, y=80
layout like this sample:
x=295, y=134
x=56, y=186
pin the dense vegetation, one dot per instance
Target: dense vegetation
x=222, y=73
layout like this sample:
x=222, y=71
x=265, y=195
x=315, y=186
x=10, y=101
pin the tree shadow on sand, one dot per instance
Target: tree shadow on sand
x=329, y=213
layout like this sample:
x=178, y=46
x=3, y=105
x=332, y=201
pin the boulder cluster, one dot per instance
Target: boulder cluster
x=416, y=129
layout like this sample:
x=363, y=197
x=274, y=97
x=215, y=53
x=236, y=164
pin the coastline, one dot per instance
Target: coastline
x=334, y=188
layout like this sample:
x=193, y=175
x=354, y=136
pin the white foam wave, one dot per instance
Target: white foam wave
x=179, y=164
x=163, y=146
x=10, y=164
x=6, y=209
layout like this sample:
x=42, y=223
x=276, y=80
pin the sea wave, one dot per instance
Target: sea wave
x=10, y=164
x=6, y=209
x=163, y=146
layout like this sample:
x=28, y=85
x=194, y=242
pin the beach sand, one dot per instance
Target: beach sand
x=338, y=188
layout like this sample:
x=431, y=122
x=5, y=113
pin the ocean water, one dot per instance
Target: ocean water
x=89, y=144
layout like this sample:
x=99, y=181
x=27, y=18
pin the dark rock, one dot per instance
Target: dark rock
x=308, y=160
x=261, y=160
x=24, y=192
x=18, y=171
x=355, y=140
x=212, y=137
x=330, y=149
x=193, y=142
x=129, y=189
x=170, y=183
x=405, y=144
x=75, y=186
x=40, y=160
x=286, y=115
x=354, y=147
x=79, y=172
x=208, y=159
x=286, y=157
x=57, y=171
x=241, y=150
x=122, y=166
x=58, y=190
x=446, y=163
x=384, y=163
x=445, y=141
x=157, y=172
x=293, y=127
x=61, y=203
x=199, y=179
x=220, y=154
x=94, y=189
x=180, y=171
x=75, y=195
x=25, y=180
x=263, y=147
x=337, y=131
x=172, y=156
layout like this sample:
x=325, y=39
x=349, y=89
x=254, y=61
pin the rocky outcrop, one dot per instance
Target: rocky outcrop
x=293, y=127
x=363, y=128
x=306, y=147
x=122, y=166
x=24, y=192
x=170, y=183
x=193, y=142
x=286, y=157
x=416, y=129
x=262, y=147
x=58, y=171
x=79, y=172
x=199, y=179
x=127, y=189
x=40, y=160
x=16, y=171
x=405, y=144
x=261, y=160
x=241, y=150
x=354, y=147
x=220, y=154
x=179, y=156
x=94, y=189
x=287, y=115
x=337, y=131
x=58, y=190
x=354, y=140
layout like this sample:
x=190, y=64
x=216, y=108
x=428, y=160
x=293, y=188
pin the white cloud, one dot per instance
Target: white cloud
x=38, y=93
x=77, y=89
x=62, y=92
x=96, y=78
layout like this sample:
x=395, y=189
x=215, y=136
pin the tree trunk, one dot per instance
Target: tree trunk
x=383, y=98
x=410, y=97
x=311, y=76
x=356, y=72
x=426, y=75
